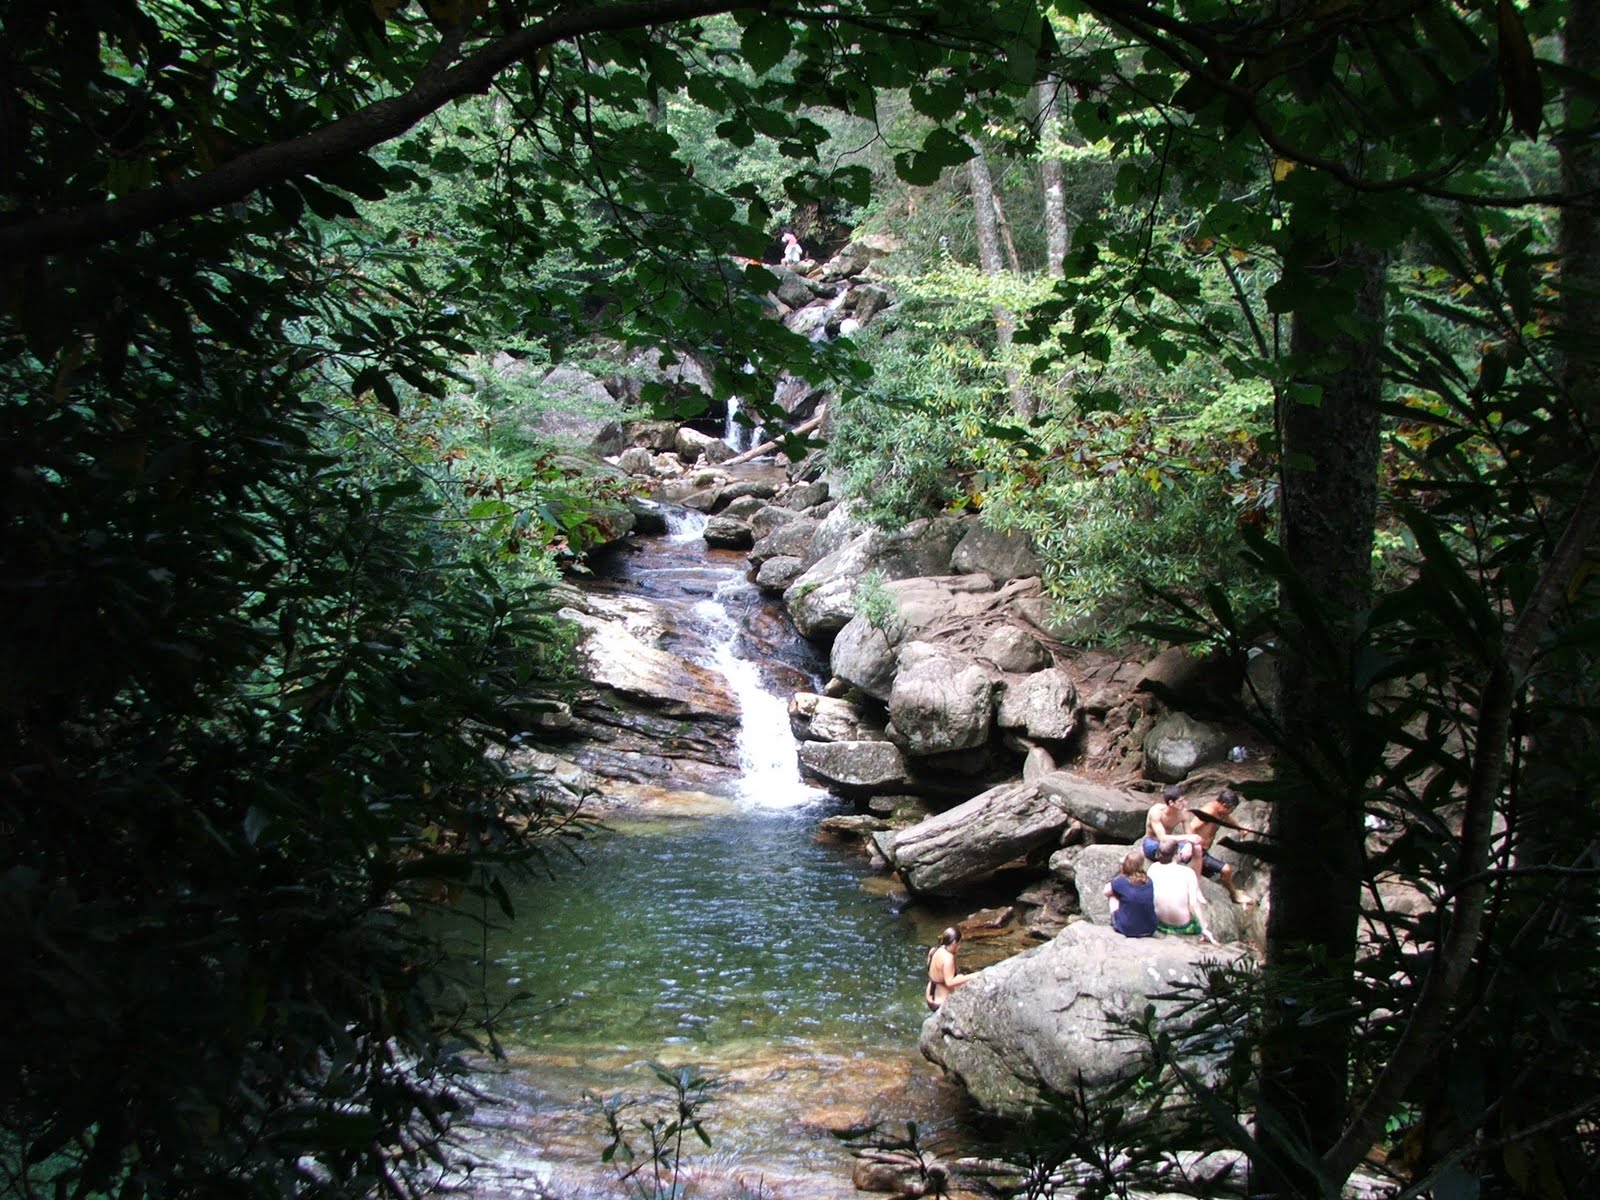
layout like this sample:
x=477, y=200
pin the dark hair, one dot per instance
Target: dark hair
x=1227, y=796
x=1166, y=850
x=949, y=937
x=1173, y=792
x=1133, y=865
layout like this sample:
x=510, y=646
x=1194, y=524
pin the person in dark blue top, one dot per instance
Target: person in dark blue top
x=1133, y=899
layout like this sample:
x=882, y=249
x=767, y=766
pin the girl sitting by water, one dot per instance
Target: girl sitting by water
x=942, y=975
x=1133, y=898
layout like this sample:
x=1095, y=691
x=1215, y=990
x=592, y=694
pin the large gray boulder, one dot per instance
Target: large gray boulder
x=822, y=600
x=1178, y=743
x=792, y=539
x=939, y=701
x=814, y=718
x=1002, y=556
x=729, y=533
x=778, y=573
x=770, y=517
x=794, y=290
x=864, y=655
x=798, y=496
x=1043, y=706
x=1014, y=651
x=861, y=768
x=1055, y=1017
x=1087, y=870
x=963, y=847
x=689, y=443
x=836, y=530
x=1112, y=813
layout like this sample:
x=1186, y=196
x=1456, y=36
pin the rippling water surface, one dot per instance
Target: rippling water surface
x=721, y=931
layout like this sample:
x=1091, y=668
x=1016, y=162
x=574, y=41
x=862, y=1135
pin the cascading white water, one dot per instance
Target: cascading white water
x=685, y=525
x=769, y=771
x=739, y=436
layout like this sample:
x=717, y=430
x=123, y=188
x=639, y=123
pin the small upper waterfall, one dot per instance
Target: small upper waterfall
x=739, y=435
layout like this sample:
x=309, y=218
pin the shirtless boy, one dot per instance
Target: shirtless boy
x=1168, y=818
x=1180, y=908
x=1204, y=823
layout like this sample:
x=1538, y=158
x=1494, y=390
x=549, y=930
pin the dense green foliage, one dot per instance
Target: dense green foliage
x=272, y=607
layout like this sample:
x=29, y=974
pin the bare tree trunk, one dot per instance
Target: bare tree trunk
x=1329, y=509
x=1047, y=95
x=984, y=210
x=982, y=185
x=1003, y=224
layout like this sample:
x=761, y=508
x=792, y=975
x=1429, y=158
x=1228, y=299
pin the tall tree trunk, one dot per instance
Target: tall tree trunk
x=1564, y=737
x=990, y=259
x=1047, y=97
x=1328, y=427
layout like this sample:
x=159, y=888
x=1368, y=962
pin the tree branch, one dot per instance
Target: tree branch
x=436, y=85
x=1418, y=1043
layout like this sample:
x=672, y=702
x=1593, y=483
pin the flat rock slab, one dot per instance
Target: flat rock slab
x=1114, y=814
x=965, y=846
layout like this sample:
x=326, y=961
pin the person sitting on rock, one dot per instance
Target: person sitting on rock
x=1168, y=818
x=792, y=253
x=1133, y=899
x=1204, y=823
x=942, y=975
x=1180, y=908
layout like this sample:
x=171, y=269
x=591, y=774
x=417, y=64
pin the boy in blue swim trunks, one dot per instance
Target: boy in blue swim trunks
x=1203, y=824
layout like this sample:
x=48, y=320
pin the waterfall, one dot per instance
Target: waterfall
x=769, y=771
x=685, y=525
x=739, y=436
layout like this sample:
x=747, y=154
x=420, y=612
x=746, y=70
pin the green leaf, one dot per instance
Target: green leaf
x=765, y=42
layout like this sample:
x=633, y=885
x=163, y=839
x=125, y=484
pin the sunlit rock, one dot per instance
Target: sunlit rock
x=1043, y=705
x=1056, y=1017
x=792, y=539
x=939, y=701
x=965, y=846
x=816, y=718
x=776, y=574
x=1112, y=813
x=864, y=655
x=1014, y=650
x=855, y=768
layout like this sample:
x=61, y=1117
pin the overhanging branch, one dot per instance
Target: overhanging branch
x=436, y=85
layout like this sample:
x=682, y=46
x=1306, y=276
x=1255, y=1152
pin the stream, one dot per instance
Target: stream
x=740, y=943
